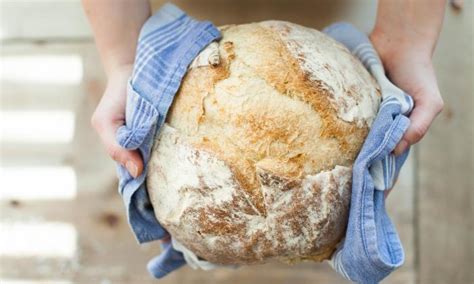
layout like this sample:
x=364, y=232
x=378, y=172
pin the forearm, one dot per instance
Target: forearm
x=116, y=25
x=408, y=25
x=405, y=36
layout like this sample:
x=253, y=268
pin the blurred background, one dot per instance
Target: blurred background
x=62, y=220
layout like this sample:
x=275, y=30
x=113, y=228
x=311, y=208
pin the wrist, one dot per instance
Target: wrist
x=392, y=49
x=119, y=71
x=118, y=60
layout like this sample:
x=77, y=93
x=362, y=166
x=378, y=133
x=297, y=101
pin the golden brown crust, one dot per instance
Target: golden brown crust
x=305, y=217
x=263, y=118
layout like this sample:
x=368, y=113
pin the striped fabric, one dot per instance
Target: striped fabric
x=382, y=171
x=372, y=249
x=168, y=42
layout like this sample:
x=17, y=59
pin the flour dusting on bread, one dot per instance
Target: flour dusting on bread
x=330, y=63
x=193, y=207
x=254, y=160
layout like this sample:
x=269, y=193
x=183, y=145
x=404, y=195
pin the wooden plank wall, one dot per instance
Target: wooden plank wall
x=445, y=198
x=431, y=205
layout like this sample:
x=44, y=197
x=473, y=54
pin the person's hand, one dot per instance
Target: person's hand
x=410, y=68
x=110, y=115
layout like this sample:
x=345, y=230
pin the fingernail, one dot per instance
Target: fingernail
x=401, y=147
x=132, y=168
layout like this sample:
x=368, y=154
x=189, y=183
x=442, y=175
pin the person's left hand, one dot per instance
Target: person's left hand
x=110, y=115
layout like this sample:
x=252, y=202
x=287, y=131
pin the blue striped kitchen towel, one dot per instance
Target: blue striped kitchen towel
x=372, y=249
x=168, y=42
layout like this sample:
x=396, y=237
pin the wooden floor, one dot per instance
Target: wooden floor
x=62, y=220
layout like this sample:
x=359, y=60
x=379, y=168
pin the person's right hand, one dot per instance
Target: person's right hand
x=410, y=68
x=110, y=115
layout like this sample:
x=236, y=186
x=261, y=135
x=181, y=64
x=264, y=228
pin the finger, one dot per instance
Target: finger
x=166, y=239
x=420, y=120
x=131, y=160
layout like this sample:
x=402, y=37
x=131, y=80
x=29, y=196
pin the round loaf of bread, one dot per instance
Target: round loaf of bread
x=254, y=161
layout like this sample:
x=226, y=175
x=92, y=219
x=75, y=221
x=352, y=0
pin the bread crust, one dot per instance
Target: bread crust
x=254, y=161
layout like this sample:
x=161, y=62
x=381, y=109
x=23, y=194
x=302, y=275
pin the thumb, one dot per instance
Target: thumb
x=166, y=239
x=130, y=159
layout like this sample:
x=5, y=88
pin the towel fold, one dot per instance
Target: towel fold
x=168, y=43
x=372, y=249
